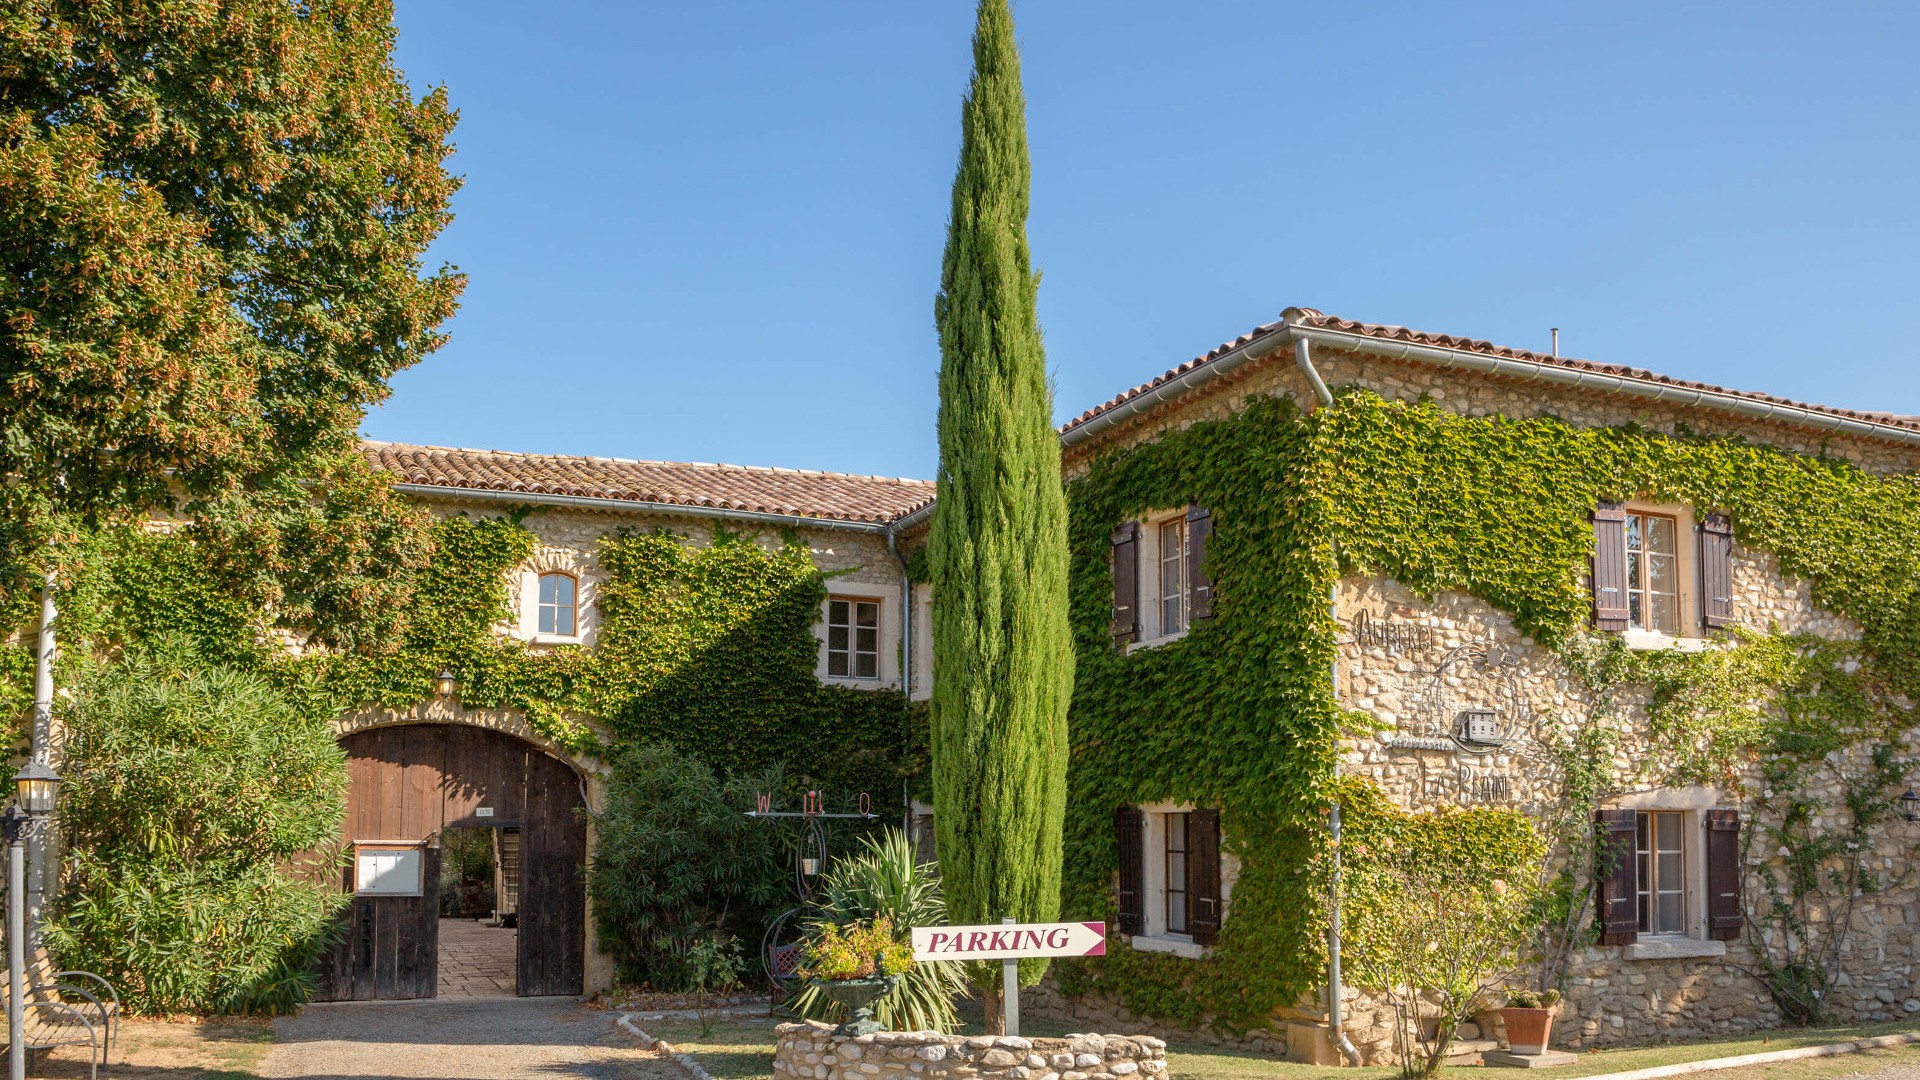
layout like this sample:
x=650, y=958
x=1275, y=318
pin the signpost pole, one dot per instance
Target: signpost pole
x=1010, y=988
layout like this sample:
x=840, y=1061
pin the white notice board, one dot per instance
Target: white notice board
x=387, y=870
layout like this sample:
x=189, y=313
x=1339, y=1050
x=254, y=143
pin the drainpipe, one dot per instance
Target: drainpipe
x=906, y=671
x=1303, y=356
x=1334, y=1031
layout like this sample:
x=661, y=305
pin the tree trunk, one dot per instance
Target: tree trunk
x=996, y=1019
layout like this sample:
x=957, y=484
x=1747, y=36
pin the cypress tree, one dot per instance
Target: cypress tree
x=1003, y=655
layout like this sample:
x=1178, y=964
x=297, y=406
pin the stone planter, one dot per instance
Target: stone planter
x=1527, y=1029
x=858, y=995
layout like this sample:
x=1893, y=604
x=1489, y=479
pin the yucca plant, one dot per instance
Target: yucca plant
x=885, y=880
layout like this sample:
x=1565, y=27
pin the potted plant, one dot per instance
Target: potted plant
x=1529, y=1019
x=857, y=965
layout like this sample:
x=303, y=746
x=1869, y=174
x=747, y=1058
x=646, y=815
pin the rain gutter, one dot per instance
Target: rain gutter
x=1270, y=342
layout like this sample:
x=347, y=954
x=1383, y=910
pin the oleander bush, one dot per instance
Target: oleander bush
x=201, y=815
x=678, y=863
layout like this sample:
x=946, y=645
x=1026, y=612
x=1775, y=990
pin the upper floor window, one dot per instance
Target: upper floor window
x=1661, y=572
x=1173, y=576
x=1161, y=583
x=853, y=638
x=1653, y=572
x=559, y=605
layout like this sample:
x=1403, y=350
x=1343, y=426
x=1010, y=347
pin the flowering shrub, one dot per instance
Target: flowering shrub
x=856, y=951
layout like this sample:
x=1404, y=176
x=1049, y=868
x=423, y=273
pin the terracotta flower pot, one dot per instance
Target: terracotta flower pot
x=858, y=995
x=1527, y=1029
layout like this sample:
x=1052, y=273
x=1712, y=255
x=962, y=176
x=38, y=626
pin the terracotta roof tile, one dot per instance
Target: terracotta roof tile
x=1310, y=317
x=795, y=492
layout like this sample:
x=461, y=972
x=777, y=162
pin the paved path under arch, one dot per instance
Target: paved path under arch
x=500, y=1039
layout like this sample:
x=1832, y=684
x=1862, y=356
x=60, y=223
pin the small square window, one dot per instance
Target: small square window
x=853, y=639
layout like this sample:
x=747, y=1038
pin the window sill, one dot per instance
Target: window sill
x=1178, y=946
x=875, y=683
x=1654, y=641
x=1673, y=948
x=1154, y=643
x=558, y=639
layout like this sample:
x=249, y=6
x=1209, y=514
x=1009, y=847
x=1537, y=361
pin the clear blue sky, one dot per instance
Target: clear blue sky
x=712, y=232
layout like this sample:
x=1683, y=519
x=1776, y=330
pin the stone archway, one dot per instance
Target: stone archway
x=410, y=781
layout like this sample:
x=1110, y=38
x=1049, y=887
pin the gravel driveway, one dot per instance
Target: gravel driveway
x=511, y=1039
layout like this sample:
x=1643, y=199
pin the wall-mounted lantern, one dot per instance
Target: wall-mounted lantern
x=1910, y=805
x=445, y=685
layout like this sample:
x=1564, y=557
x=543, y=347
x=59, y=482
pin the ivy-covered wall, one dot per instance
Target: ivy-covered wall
x=1242, y=713
x=706, y=646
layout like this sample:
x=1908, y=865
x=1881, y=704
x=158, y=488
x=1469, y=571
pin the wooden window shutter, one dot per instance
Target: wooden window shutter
x=1199, y=585
x=1129, y=833
x=1616, y=876
x=1716, y=571
x=1126, y=583
x=1725, y=915
x=1203, y=876
x=1610, y=567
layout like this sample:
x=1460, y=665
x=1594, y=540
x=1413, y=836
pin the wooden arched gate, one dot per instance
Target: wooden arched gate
x=411, y=782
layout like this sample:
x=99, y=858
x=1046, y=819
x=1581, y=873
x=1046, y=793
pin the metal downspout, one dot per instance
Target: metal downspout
x=1304, y=357
x=906, y=673
x=1336, y=1032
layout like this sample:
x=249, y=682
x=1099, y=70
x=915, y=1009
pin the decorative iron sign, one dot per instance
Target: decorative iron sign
x=1394, y=637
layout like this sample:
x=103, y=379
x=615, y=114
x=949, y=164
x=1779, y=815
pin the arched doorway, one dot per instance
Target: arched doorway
x=409, y=784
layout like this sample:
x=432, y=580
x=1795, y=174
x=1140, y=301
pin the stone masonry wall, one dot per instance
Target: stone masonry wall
x=810, y=1051
x=1427, y=660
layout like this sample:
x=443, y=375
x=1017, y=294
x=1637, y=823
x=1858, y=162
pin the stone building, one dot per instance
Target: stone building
x=1467, y=709
x=439, y=764
x=1241, y=633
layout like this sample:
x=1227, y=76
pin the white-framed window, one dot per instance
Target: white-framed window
x=1653, y=572
x=1176, y=879
x=558, y=609
x=853, y=638
x=1660, y=852
x=1172, y=578
x=1176, y=908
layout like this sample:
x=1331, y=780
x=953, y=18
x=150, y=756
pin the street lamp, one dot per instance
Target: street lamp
x=34, y=787
x=1910, y=805
x=445, y=685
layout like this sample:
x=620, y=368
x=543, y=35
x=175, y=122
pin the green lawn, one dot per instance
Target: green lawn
x=742, y=1049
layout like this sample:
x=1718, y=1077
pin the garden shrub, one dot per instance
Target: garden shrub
x=678, y=862
x=196, y=799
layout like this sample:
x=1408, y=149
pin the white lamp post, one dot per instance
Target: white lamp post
x=33, y=791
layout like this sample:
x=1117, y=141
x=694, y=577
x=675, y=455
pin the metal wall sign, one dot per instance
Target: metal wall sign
x=1394, y=637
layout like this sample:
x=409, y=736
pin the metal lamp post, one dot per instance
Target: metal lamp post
x=33, y=791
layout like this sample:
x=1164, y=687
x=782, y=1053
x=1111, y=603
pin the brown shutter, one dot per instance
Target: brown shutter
x=1724, y=914
x=1203, y=876
x=1716, y=571
x=1610, y=567
x=1129, y=828
x=1199, y=585
x=1126, y=583
x=1616, y=876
